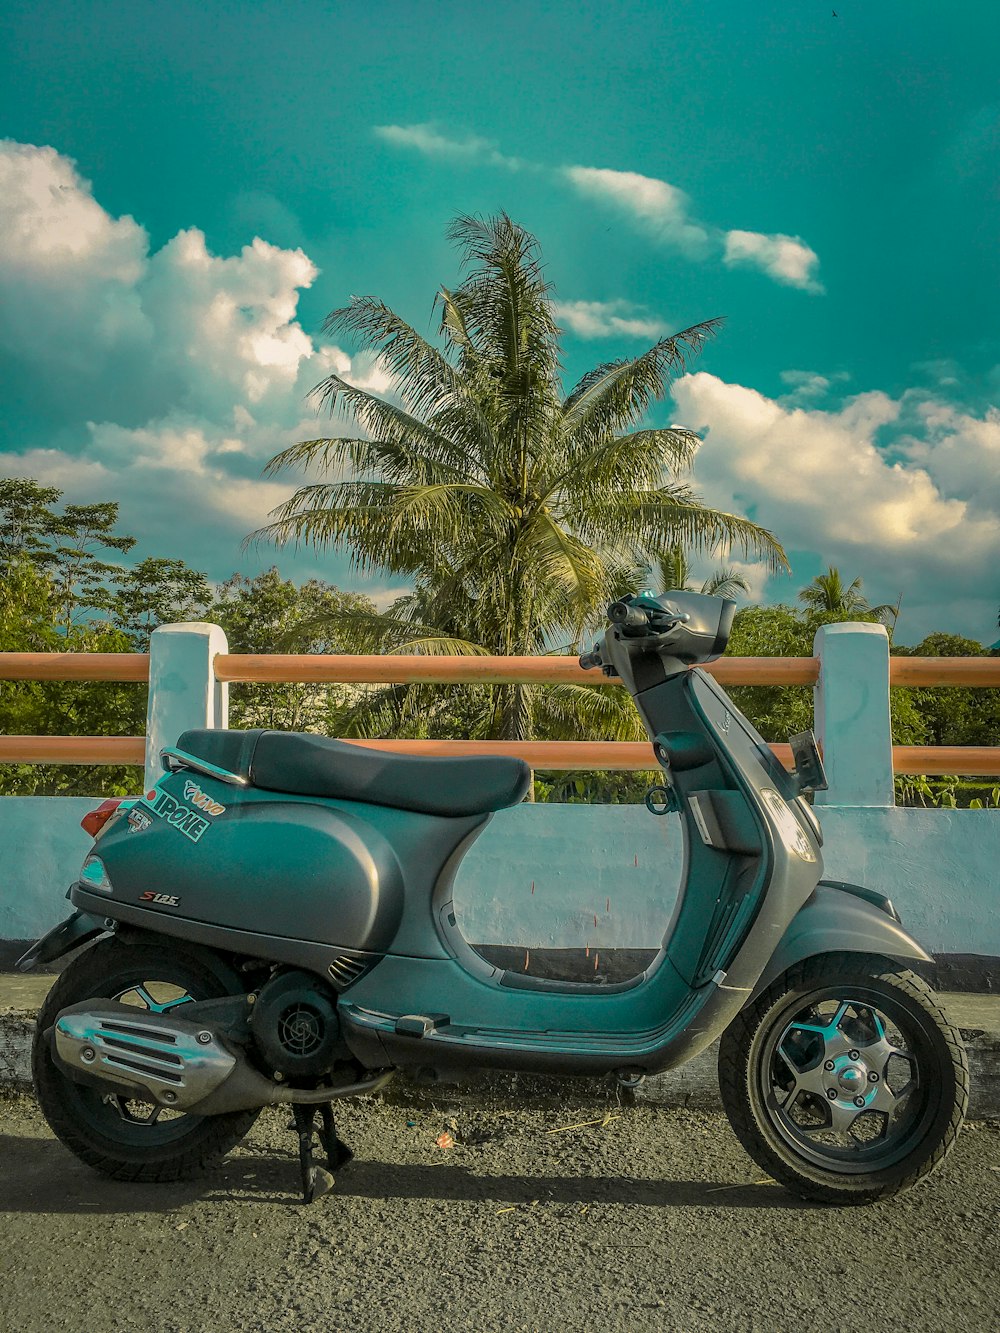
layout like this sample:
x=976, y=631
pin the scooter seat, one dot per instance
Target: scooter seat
x=307, y=765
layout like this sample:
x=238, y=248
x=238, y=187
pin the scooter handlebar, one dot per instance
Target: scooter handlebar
x=628, y=617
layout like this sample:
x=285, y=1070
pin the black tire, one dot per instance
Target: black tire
x=864, y=1100
x=92, y=1126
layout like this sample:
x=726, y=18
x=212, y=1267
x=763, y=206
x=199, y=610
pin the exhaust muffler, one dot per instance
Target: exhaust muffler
x=173, y=1063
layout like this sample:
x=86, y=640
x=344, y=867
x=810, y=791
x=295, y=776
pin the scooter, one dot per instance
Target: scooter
x=274, y=923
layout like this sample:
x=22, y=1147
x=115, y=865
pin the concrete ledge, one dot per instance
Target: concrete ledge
x=694, y=1085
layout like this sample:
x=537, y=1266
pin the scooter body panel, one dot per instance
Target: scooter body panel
x=836, y=919
x=344, y=875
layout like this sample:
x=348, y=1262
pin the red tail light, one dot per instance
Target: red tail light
x=95, y=821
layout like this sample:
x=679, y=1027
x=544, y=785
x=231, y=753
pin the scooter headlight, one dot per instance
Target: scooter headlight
x=791, y=831
x=95, y=875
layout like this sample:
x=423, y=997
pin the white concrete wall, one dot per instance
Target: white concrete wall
x=568, y=876
x=616, y=863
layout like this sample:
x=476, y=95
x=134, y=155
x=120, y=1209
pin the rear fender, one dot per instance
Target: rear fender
x=841, y=918
x=70, y=934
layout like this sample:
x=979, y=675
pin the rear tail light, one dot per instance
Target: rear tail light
x=95, y=821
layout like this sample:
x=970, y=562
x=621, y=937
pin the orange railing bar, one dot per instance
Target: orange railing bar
x=73, y=750
x=971, y=760
x=389, y=668
x=967, y=671
x=392, y=668
x=621, y=756
x=74, y=666
x=553, y=755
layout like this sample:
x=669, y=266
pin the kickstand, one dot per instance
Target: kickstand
x=314, y=1179
x=337, y=1152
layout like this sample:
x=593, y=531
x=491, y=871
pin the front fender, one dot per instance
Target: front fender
x=841, y=918
x=62, y=939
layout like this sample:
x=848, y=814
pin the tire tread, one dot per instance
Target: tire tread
x=209, y=1141
x=736, y=1042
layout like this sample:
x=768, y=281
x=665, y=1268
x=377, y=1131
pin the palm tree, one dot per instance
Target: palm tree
x=827, y=596
x=517, y=511
x=672, y=570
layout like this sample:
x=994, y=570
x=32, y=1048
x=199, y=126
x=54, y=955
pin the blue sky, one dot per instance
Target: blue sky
x=828, y=184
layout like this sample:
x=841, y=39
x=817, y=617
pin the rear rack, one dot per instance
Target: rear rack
x=173, y=759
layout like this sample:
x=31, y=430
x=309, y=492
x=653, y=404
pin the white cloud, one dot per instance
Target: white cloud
x=960, y=450
x=228, y=324
x=429, y=140
x=64, y=264
x=787, y=259
x=51, y=223
x=603, y=319
x=660, y=208
x=927, y=525
x=168, y=378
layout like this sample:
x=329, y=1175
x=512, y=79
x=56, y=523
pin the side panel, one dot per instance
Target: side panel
x=277, y=866
x=834, y=920
x=245, y=868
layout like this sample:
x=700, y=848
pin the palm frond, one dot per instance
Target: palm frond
x=615, y=395
x=639, y=460
x=569, y=712
x=673, y=514
x=423, y=375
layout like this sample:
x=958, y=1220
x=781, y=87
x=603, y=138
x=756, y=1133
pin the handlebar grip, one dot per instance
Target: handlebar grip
x=620, y=613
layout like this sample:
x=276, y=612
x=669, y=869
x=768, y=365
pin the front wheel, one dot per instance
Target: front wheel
x=128, y=1138
x=844, y=1080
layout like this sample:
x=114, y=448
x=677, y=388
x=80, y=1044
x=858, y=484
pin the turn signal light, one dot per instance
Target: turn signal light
x=95, y=821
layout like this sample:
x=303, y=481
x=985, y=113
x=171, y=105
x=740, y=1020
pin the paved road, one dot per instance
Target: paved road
x=655, y=1220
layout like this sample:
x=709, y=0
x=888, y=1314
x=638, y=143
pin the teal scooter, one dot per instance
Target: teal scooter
x=274, y=923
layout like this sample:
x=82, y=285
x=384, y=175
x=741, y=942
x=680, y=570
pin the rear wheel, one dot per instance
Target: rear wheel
x=844, y=1080
x=128, y=1138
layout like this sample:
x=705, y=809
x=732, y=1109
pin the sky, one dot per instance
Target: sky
x=186, y=190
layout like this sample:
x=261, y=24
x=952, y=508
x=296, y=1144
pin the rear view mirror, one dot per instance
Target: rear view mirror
x=809, y=768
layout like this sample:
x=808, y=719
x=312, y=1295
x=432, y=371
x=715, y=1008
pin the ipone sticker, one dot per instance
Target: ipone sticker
x=181, y=817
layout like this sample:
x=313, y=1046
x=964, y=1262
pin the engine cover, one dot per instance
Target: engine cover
x=295, y=1027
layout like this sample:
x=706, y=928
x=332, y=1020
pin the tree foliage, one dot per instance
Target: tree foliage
x=828, y=599
x=269, y=614
x=517, y=510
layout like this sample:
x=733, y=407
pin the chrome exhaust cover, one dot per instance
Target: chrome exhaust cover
x=162, y=1059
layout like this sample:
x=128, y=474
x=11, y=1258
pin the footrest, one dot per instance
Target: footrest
x=420, y=1025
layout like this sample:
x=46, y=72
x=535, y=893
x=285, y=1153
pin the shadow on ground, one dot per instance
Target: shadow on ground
x=41, y=1176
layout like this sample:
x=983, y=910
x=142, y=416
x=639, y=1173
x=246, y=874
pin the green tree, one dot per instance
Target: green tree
x=952, y=715
x=157, y=592
x=671, y=569
x=28, y=523
x=777, y=711
x=269, y=614
x=516, y=510
x=828, y=599
x=59, y=593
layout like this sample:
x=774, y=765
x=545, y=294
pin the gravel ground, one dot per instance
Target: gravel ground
x=653, y=1220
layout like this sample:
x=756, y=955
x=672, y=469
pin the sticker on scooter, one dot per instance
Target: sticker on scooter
x=161, y=899
x=194, y=794
x=138, y=821
x=181, y=817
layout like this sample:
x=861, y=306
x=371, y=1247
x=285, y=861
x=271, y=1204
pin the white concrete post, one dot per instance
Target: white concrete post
x=852, y=714
x=183, y=691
